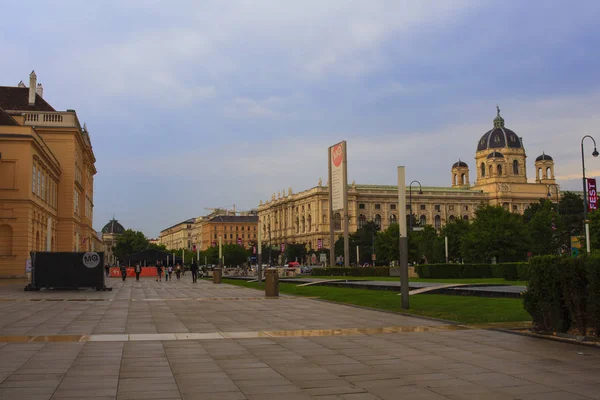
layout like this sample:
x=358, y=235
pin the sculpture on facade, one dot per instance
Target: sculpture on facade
x=320, y=182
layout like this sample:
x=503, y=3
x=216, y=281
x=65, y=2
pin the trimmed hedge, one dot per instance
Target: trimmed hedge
x=508, y=271
x=564, y=293
x=351, y=271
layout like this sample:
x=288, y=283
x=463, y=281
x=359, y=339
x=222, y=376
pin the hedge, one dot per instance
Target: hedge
x=351, y=271
x=564, y=293
x=508, y=271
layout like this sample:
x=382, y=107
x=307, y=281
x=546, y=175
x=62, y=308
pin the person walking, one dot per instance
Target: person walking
x=167, y=271
x=194, y=269
x=178, y=271
x=107, y=270
x=138, y=271
x=123, y=272
x=158, y=272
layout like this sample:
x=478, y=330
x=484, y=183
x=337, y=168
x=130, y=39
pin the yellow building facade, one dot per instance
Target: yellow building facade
x=501, y=179
x=232, y=229
x=47, y=169
x=178, y=236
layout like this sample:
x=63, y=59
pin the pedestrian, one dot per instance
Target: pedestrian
x=167, y=267
x=178, y=271
x=123, y=272
x=107, y=270
x=194, y=269
x=158, y=272
x=138, y=271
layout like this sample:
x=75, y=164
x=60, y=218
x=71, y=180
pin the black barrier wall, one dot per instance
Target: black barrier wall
x=67, y=270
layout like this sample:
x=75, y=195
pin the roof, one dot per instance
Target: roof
x=460, y=163
x=187, y=221
x=234, y=218
x=17, y=98
x=424, y=188
x=498, y=138
x=6, y=119
x=544, y=157
x=495, y=154
x=114, y=227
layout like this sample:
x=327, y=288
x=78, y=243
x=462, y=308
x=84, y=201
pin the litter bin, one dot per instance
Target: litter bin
x=217, y=275
x=272, y=283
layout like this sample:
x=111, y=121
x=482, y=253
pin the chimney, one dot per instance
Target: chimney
x=32, y=87
x=39, y=90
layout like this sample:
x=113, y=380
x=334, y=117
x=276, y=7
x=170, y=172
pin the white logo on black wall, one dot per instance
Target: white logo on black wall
x=91, y=260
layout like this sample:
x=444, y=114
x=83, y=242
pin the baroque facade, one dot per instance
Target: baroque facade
x=501, y=179
x=110, y=233
x=47, y=169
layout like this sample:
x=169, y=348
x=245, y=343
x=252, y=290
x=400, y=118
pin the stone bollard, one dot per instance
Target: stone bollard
x=217, y=275
x=272, y=283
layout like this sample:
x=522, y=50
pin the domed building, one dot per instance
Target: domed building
x=500, y=179
x=111, y=231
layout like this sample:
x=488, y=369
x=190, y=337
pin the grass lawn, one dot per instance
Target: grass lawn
x=463, y=309
x=498, y=281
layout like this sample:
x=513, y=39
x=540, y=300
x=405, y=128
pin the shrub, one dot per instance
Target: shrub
x=593, y=270
x=574, y=281
x=351, y=271
x=456, y=271
x=523, y=271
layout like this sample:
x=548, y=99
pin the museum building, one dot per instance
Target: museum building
x=501, y=179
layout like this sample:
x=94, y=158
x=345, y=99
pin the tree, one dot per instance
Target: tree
x=455, y=231
x=594, y=218
x=160, y=247
x=544, y=227
x=427, y=244
x=387, y=244
x=295, y=252
x=496, y=233
x=570, y=209
x=130, y=242
x=234, y=254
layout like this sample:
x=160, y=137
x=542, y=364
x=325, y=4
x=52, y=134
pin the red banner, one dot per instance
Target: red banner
x=115, y=272
x=282, y=247
x=592, y=195
x=319, y=244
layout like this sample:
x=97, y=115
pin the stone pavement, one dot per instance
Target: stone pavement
x=178, y=340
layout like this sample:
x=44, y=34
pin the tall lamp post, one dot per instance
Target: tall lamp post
x=410, y=222
x=270, y=245
x=585, y=205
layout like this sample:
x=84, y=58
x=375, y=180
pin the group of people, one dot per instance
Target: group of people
x=168, y=270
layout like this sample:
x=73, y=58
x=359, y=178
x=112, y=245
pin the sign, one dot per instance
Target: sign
x=313, y=259
x=282, y=247
x=253, y=249
x=576, y=245
x=592, y=195
x=374, y=257
x=323, y=257
x=239, y=241
x=319, y=244
x=91, y=259
x=194, y=247
x=338, y=182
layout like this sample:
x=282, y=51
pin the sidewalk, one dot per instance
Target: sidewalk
x=178, y=340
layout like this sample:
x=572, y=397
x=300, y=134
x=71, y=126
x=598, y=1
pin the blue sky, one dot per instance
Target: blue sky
x=206, y=104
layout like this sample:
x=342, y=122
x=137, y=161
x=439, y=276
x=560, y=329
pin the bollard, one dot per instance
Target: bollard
x=217, y=275
x=272, y=283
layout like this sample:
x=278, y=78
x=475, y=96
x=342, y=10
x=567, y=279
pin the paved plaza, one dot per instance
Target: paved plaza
x=178, y=340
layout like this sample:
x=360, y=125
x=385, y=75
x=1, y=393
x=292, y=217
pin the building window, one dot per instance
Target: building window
x=392, y=206
x=242, y=228
x=76, y=201
x=393, y=219
x=482, y=170
x=515, y=207
x=422, y=221
x=378, y=220
x=362, y=220
x=34, y=179
x=437, y=222
x=423, y=207
x=6, y=240
x=466, y=217
x=378, y=206
x=466, y=208
x=408, y=207
x=451, y=207
x=361, y=206
x=515, y=167
x=337, y=222
x=451, y=218
x=438, y=207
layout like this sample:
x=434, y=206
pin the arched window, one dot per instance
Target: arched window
x=393, y=219
x=378, y=220
x=337, y=222
x=499, y=169
x=297, y=225
x=303, y=224
x=452, y=218
x=515, y=167
x=548, y=173
x=362, y=220
x=309, y=223
x=466, y=217
x=422, y=221
x=437, y=222
x=463, y=179
x=482, y=170
x=454, y=180
x=540, y=173
x=6, y=240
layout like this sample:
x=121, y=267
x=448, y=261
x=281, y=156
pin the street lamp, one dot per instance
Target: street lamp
x=270, y=244
x=410, y=222
x=585, y=206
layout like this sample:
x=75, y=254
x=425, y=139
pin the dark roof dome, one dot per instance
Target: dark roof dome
x=544, y=157
x=114, y=227
x=499, y=137
x=460, y=163
x=495, y=154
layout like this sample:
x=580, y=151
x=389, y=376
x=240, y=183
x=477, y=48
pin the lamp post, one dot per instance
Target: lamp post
x=585, y=205
x=270, y=244
x=410, y=222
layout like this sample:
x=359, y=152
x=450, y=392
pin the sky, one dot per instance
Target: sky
x=193, y=105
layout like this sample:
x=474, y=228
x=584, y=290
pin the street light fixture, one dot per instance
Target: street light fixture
x=585, y=205
x=410, y=222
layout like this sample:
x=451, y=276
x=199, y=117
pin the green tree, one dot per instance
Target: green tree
x=455, y=231
x=544, y=227
x=498, y=233
x=594, y=218
x=160, y=247
x=387, y=244
x=295, y=252
x=428, y=245
x=130, y=242
x=570, y=209
x=235, y=254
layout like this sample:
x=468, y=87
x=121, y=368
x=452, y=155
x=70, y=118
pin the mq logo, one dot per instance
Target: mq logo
x=91, y=259
x=337, y=155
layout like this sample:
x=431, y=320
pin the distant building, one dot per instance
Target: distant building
x=232, y=229
x=501, y=179
x=178, y=236
x=110, y=233
x=47, y=169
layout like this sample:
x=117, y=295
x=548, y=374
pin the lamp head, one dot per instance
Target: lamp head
x=420, y=191
x=595, y=153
